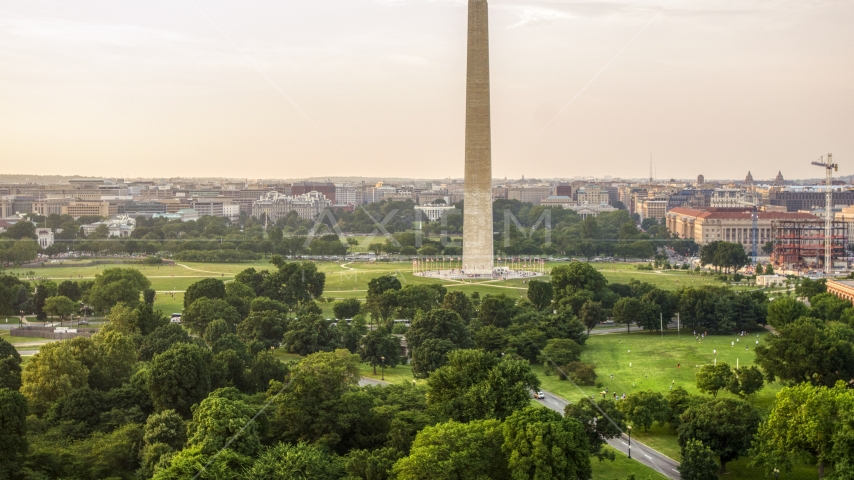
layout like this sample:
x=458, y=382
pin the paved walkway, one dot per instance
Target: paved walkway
x=640, y=452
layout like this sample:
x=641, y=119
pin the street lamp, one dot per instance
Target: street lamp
x=776, y=473
x=383, y=370
x=630, y=441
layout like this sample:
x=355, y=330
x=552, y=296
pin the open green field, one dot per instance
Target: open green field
x=649, y=361
x=350, y=279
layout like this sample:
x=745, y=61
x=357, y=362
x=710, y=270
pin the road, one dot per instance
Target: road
x=645, y=455
x=640, y=452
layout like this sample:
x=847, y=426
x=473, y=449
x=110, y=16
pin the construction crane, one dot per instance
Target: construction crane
x=829, y=167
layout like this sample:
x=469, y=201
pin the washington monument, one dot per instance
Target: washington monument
x=477, y=213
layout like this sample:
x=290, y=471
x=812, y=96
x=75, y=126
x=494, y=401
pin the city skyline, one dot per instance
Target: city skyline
x=374, y=89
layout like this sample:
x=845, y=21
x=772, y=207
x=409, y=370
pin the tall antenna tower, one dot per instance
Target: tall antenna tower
x=829, y=168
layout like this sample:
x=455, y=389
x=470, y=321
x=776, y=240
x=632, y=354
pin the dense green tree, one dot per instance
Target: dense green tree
x=164, y=433
x=680, y=400
x=650, y=317
x=166, y=427
x=380, y=348
x=698, y=462
x=371, y=464
x=293, y=284
x=666, y=303
x=746, y=381
x=439, y=324
x=13, y=295
x=180, y=378
x=303, y=460
x=460, y=303
x=808, y=288
x=591, y=314
x=644, y=408
x=491, y=339
x=82, y=408
x=311, y=333
x=264, y=304
x=601, y=421
x=205, y=310
x=347, y=308
x=806, y=422
x=785, y=310
x=21, y=230
x=43, y=291
x=161, y=339
x=70, y=290
x=540, y=294
x=10, y=366
x=265, y=367
x=453, y=450
x=267, y=328
x=412, y=299
x=149, y=319
x=51, y=374
x=216, y=330
x=115, y=285
x=309, y=407
x=13, y=432
x=479, y=385
x=827, y=306
x=352, y=332
x=380, y=285
x=713, y=378
x=725, y=425
x=628, y=311
x=194, y=463
x=568, y=279
x=750, y=310
x=557, y=354
x=806, y=351
x=218, y=418
x=430, y=355
x=211, y=288
x=562, y=324
x=541, y=444
x=116, y=356
x=709, y=309
x=497, y=310
x=123, y=319
x=526, y=341
x=148, y=296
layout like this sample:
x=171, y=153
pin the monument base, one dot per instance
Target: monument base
x=498, y=274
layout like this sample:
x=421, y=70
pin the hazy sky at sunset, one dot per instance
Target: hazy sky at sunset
x=299, y=88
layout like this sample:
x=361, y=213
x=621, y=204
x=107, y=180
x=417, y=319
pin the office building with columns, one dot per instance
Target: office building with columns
x=726, y=224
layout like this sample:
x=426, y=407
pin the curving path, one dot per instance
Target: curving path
x=642, y=453
x=653, y=459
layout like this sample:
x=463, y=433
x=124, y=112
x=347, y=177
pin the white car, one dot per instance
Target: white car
x=539, y=395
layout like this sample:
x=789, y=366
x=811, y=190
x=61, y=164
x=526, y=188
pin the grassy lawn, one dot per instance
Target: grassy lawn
x=348, y=279
x=621, y=468
x=398, y=374
x=650, y=361
x=654, y=361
